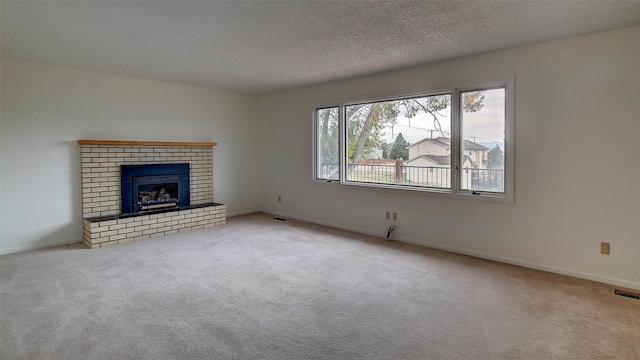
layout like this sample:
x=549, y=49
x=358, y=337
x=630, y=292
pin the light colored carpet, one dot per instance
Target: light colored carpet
x=258, y=288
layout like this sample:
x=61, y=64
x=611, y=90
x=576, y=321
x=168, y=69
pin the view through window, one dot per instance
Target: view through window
x=483, y=133
x=400, y=141
x=449, y=141
x=327, y=144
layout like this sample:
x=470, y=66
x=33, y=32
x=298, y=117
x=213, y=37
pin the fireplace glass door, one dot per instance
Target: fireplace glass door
x=154, y=187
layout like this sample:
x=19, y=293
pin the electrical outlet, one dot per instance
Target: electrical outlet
x=605, y=248
x=387, y=215
x=395, y=216
x=279, y=198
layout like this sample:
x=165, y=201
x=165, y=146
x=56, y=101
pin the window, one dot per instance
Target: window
x=327, y=164
x=482, y=121
x=454, y=140
x=399, y=141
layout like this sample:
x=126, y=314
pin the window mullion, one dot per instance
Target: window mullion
x=455, y=141
x=342, y=141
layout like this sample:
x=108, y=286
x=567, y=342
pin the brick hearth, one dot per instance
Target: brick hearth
x=103, y=225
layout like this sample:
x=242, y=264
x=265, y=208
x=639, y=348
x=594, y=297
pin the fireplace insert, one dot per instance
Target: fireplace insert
x=154, y=187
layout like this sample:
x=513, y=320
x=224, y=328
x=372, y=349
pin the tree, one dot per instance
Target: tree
x=400, y=148
x=365, y=122
x=364, y=126
x=472, y=101
x=328, y=133
x=495, y=158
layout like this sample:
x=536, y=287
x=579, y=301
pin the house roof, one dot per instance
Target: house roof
x=470, y=145
x=261, y=47
x=440, y=159
x=441, y=141
x=445, y=142
x=437, y=159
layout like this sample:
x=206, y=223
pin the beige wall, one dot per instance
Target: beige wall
x=46, y=109
x=570, y=94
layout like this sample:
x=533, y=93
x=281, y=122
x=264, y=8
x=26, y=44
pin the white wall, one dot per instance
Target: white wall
x=46, y=109
x=574, y=98
x=577, y=161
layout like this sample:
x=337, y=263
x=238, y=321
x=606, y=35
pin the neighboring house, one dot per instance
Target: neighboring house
x=430, y=160
x=475, y=155
x=436, y=150
x=439, y=146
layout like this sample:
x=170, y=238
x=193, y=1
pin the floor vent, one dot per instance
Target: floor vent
x=280, y=219
x=626, y=294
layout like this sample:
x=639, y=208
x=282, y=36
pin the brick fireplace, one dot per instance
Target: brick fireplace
x=104, y=222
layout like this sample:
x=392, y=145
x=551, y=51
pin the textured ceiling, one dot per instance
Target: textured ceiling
x=258, y=47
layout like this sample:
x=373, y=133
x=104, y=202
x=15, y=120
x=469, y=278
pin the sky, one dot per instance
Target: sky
x=486, y=125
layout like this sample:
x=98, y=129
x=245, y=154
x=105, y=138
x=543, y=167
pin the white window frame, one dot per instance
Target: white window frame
x=322, y=106
x=506, y=82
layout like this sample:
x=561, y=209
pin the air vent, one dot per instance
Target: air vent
x=280, y=219
x=626, y=294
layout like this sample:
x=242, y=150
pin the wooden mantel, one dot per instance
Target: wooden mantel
x=145, y=143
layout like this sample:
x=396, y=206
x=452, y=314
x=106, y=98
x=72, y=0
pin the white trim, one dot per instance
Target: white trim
x=482, y=255
x=244, y=212
x=342, y=141
x=40, y=246
x=314, y=142
x=478, y=254
x=454, y=145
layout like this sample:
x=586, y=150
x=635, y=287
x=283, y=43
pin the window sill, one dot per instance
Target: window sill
x=419, y=191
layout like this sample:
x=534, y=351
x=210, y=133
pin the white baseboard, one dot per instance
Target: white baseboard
x=528, y=264
x=244, y=212
x=519, y=262
x=39, y=246
x=74, y=241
